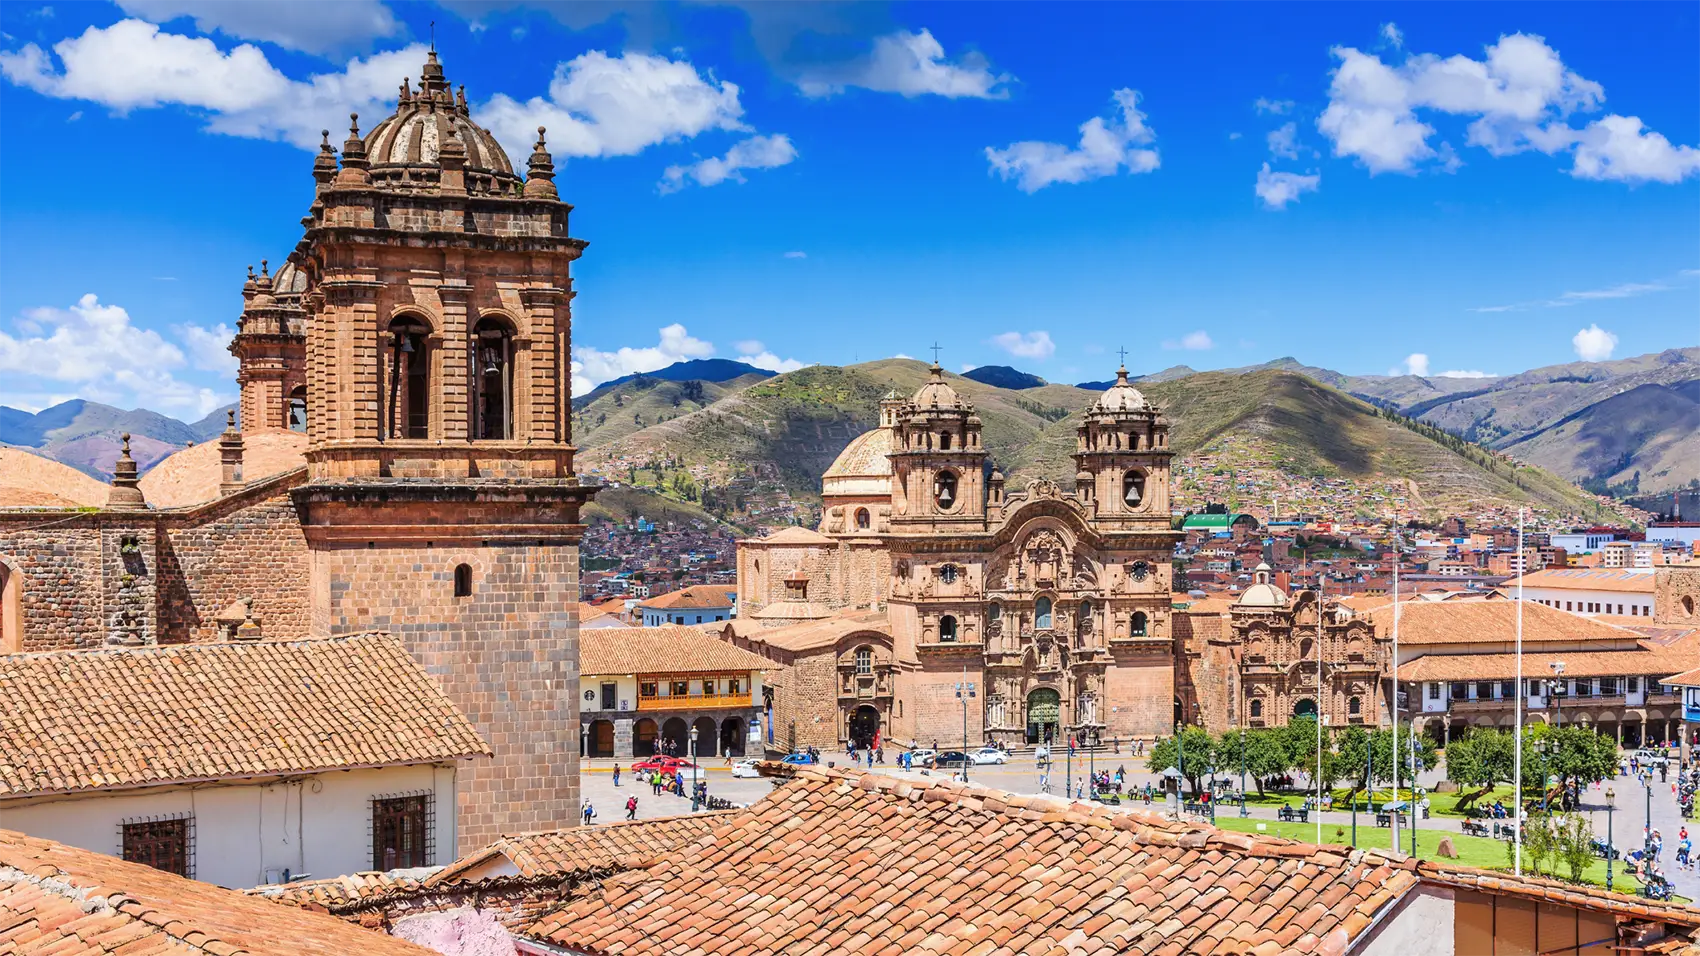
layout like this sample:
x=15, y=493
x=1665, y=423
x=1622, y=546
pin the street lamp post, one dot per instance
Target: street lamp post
x=694, y=761
x=1556, y=686
x=1210, y=771
x=1242, y=773
x=1180, y=760
x=965, y=693
x=1647, y=781
x=1611, y=846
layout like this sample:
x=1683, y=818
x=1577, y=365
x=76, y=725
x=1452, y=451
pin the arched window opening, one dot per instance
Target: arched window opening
x=493, y=340
x=463, y=580
x=1042, y=613
x=297, y=417
x=1139, y=623
x=11, y=609
x=1355, y=706
x=947, y=628
x=1133, y=488
x=863, y=519
x=944, y=441
x=994, y=612
x=944, y=490
x=1256, y=707
x=864, y=660
x=408, y=384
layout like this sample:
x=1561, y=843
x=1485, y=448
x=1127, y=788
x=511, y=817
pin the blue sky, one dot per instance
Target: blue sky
x=1435, y=187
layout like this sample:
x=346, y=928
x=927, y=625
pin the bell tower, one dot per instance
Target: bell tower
x=1122, y=458
x=442, y=505
x=938, y=463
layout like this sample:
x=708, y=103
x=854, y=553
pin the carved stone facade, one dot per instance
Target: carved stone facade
x=420, y=333
x=1054, y=604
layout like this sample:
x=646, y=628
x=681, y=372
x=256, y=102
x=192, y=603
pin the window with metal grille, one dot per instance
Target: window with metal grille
x=164, y=844
x=401, y=831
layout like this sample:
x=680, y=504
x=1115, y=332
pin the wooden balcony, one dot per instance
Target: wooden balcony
x=696, y=702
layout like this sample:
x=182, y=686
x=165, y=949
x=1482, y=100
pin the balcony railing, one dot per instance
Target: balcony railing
x=696, y=701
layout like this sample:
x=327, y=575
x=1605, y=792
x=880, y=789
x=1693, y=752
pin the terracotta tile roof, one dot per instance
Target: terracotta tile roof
x=556, y=854
x=795, y=535
x=59, y=900
x=192, y=476
x=340, y=890
x=1684, y=919
x=1660, y=662
x=1585, y=579
x=1478, y=622
x=697, y=596
x=668, y=649
x=846, y=864
x=814, y=635
x=136, y=717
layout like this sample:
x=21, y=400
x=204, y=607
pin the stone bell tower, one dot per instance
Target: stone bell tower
x=1122, y=460
x=442, y=505
x=937, y=461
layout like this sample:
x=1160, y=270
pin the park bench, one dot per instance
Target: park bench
x=1290, y=814
x=1474, y=828
x=1504, y=831
x=1198, y=807
x=1108, y=796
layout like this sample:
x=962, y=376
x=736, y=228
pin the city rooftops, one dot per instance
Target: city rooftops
x=668, y=649
x=1216, y=522
x=696, y=597
x=1480, y=621
x=1587, y=579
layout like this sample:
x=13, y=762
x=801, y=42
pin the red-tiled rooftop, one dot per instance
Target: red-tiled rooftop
x=668, y=649
x=57, y=900
x=578, y=850
x=695, y=597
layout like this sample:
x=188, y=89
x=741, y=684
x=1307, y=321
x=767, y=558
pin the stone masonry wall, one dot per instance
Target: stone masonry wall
x=507, y=655
x=234, y=550
x=806, y=697
x=1140, y=685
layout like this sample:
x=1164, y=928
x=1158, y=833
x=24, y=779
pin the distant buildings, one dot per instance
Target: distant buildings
x=697, y=604
x=645, y=690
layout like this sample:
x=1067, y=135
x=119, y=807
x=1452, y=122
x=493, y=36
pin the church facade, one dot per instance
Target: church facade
x=933, y=598
x=420, y=335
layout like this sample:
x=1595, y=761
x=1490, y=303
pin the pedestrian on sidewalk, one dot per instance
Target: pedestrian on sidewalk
x=589, y=812
x=616, y=775
x=631, y=807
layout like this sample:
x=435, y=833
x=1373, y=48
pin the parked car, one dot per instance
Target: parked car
x=952, y=758
x=746, y=768
x=664, y=764
x=994, y=755
x=1649, y=757
x=797, y=759
x=923, y=757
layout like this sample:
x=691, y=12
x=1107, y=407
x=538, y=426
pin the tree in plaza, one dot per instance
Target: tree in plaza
x=1484, y=759
x=1197, y=746
x=1298, y=738
x=1264, y=754
x=1575, y=754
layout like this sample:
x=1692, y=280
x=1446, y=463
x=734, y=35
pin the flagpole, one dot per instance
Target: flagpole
x=1319, y=698
x=1397, y=560
x=1517, y=743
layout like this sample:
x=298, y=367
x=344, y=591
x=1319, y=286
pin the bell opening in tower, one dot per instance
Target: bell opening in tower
x=944, y=489
x=1133, y=489
x=494, y=379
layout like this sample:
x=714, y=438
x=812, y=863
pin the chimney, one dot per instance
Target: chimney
x=248, y=632
x=230, y=456
x=126, y=493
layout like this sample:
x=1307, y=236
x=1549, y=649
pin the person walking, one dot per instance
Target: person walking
x=589, y=812
x=616, y=775
x=631, y=807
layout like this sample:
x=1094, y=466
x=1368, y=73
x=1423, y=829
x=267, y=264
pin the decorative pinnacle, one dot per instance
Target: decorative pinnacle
x=263, y=268
x=126, y=439
x=324, y=139
x=354, y=124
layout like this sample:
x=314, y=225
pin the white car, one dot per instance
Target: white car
x=993, y=755
x=745, y=768
x=923, y=757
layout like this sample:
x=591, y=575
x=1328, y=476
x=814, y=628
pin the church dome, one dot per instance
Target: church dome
x=937, y=393
x=415, y=135
x=1262, y=593
x=863, y=467
x=288, y=283
x=1121, y=397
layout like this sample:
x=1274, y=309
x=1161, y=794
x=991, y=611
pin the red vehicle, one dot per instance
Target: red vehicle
x=664, y=764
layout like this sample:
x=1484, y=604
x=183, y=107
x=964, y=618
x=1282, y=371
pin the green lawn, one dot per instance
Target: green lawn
x=1472, y=851
x=1440, y=804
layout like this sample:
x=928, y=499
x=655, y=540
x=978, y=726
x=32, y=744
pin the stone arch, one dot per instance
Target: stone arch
x=708, y=733
x=600, y=740
x=676, y=737
x=296, y=410
x=1139, y=625
x=733, y=730
x=1044, y=612
x=1304, y=707
x=407, y=375
x=493, y=342
x=644, y=737
x=11, y=607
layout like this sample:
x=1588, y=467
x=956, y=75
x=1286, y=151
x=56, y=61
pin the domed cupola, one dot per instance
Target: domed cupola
x=937, y=393
x=405, y=151
x=1121, y=397
x=1262, y=592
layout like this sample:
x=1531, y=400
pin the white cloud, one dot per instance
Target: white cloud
x=97, y=352
x=1593, y=344
x=1624, y=290
x=1273, y=107
x=315, y=28
x=1284, y=142
x=1234, y=136
x=1033, y=345
x=1461, y=373
x=209, y=349
x=794, y=254
x=1193, y=341
x=1519, y=97
x=1105, y=147
x=910, y=64
x=757, y=152
x=601, y=105
x=133, y=65
x=1415, y=364
x=592, y=366
x=1278, y=189
x=1391, y=36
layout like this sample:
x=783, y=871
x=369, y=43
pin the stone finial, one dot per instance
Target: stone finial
x=324, y=164
x=460, y=99
x=248, y=631
x=126, y=493
x=354, y=162
x=451, y=155
x=406, y=91
x=249, y=287
x=431, y=76
x=230, y=449
x=540, y=172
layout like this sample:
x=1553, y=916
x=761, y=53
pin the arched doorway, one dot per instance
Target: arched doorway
x=864, y=726
x=643, y=738
x=675, y=737
x=707, y=731
x=11, y=608
x=732, y=733
x=601, y=738
x=1044, y=715
x=1304, y=707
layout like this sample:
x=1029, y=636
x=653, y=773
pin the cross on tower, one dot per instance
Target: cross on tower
x=1123, y=353
x=935, y=352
